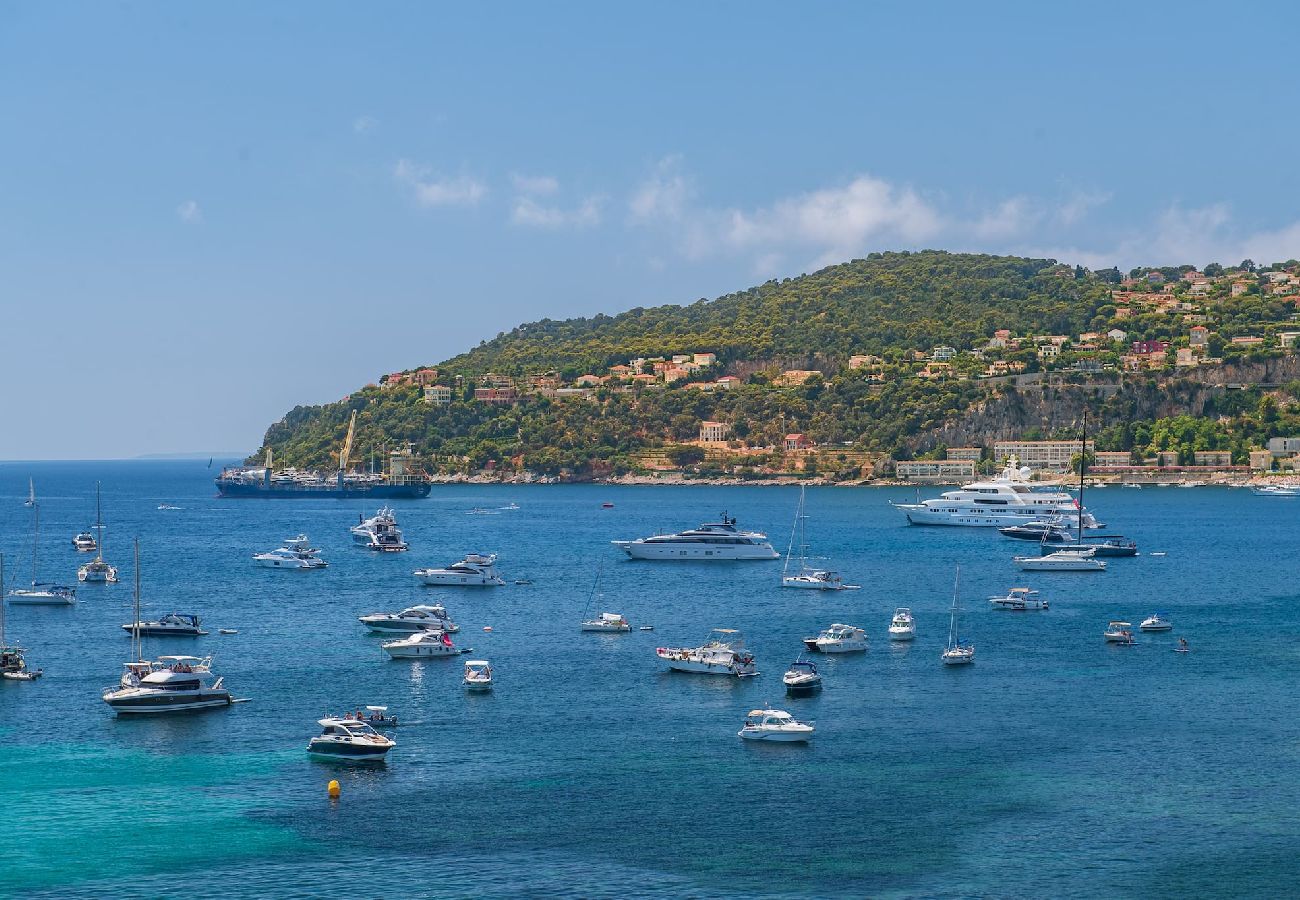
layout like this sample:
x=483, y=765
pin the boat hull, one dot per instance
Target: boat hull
x=421, y=651
x=413, y=491
x=689, y=553
x=902, y=634
x=137, y=701
x=349, y=752
x=778, y=737
x=455, y=580
x=39, y=598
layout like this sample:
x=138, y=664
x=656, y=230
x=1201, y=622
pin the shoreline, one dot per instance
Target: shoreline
x=678, y=480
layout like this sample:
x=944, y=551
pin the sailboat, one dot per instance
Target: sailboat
x=41, y=593
x=31, y=493
x=13, y=662
x=807, y=577
x=958, y=652
x=606, y=621
x=1078, y=557
x=98, y=571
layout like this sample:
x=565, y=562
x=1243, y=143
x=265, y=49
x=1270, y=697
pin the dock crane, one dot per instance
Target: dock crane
x=347, y=447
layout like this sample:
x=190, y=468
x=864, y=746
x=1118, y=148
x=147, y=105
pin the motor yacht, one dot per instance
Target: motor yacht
x=1156, y=622
x=350, y=740
x=178, y=624
x=711, y=541
x=838, y=638
x=1112, y=545
x=421, y=617
x=1276, y=490
x=606, y=622
x=1119, y=633
x=421, y=645
x=478, y=675
x=1044, y=532
x=801, y=676
x=775, y=725
x=722, y=653
x=295, y=554
x=84, y=542
x=1008, y=499
x=172, y=684
x=957, y=652
x=1019, y=599
x=475, y=570
x=902, y=627
x=1062, y=561
x=380, y=533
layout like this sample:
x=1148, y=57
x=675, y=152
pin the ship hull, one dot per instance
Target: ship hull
x=417, y=491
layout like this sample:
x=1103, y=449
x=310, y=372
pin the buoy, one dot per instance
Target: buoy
x=487, y=627
x=334, y=790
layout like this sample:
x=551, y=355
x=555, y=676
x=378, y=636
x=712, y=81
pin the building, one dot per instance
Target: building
x=1117, y=335
x=1000, y=340
x=1147, y=348
x=491, y=379
x=437, y=394
x=1052, y=456
x=797, y=441
x=936, y=469
x=865, y=362
x=942, y=353
x=1104, y=459
x=620, y=371
x=714, y=432
x=588, y=380
x=705, y=359
x=935, y=370
x=1247, y=340
x=1238, y=288
x=794, y=377
x=963, y=453
x=1284, y=446
x=675, y=373
x=727, y=382
x=1185, y=357
x=1288, y=338
x=680, y=358
x=1261, y=460
x=1216, y=458
x=1199, y=335
x=1049, y=351
x=425, y=377
x=498, y=395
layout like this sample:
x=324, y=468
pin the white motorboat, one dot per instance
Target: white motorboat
x=722, y=653
x=421, y=645
x=1156, y=622
x=710, y=541
x=13, y=658
x=902, y=627
x=478, y=675
x=1119, y=633
x=1019, y=599
x=97, y=571
x=1008, y=499
x=40, y=593
x=1276, y=490
x=807, y=577
x=84, y=542
x=802, y=676
x=1062, y=561
x=177, y=624
x=380, y=533
x=606, y=622
x=957, y=652
x=839, y=638
x=512, y=505
x=350, y=740
x=421, y=617
x=775, y=725
x=173, y=684
x=295, y=554
x=475, y=570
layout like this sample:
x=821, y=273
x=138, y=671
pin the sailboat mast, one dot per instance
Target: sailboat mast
x=1083, y=464
x=137, y=650
x=36, y=535
x=2, y=601
x=794, y=530
x=952, y=620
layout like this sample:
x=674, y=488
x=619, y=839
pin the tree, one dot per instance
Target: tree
x=1213, y=270
x=685, y=456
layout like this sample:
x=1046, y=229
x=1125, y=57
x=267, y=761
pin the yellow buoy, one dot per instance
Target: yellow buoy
x=334, y=790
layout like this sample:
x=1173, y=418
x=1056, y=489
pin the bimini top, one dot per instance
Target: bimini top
x=477, y=662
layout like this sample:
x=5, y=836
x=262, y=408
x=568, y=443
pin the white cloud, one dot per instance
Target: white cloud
x=1009, y=218
x=528, y=211
x=430, y=191
x=189, y=212
x=535, y=184
x=364, y=124
x=662, y=196
x=1080, y=203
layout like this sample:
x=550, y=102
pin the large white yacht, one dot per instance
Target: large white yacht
x=475, y=570
x=712, y=540
x=380, y=533
x=173, y=684
x=1007, y=499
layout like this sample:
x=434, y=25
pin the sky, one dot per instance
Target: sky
x=212, y=213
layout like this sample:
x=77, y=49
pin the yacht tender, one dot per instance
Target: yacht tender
x=478, y=675
x=801, y=676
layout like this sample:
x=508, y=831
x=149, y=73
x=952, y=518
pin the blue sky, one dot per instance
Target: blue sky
x=212, y=213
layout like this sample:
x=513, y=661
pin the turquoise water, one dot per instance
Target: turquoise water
x=1055, y=765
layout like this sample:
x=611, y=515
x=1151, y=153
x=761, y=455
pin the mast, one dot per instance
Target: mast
x=36, y=536
x=99, y=526
x=2, y=602
x=794, y=530
x=952, y=619
x=1083, y=465
x=137, y=650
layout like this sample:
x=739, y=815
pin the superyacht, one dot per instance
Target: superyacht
x=712, y=540
x=1008, y=499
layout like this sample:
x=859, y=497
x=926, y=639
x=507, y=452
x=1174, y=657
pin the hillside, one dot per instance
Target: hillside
x=899, y=353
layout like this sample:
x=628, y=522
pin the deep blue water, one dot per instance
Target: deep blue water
x=1055, y=765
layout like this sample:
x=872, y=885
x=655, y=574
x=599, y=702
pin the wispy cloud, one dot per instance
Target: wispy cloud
x=543, y=185
x=528, y=211
x=189, y=212
x=364, y=124
x=1008, y=219
x=430, y=190
x=662, y=196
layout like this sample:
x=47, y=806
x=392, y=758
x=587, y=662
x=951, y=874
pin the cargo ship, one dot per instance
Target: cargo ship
x=402, y=481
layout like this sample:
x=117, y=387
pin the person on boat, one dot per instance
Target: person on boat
x=1182, y=643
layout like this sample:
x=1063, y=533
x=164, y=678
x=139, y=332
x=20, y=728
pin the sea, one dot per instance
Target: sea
x=1056, y=765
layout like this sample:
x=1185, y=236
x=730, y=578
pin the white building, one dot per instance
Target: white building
x=1052, y=456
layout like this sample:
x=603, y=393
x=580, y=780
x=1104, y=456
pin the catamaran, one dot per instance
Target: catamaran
x=98, y=571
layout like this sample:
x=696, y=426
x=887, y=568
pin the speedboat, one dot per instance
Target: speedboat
x=351, y=740
x=380, y=533
x=180, y=624
x=606, y=622
x=1119, y=633
x=722, y=653
x=801, y=676
x=43, y=594
x=1062, y=561
x=173, y=684
x=1019, y=599
x=509, y=506
x=84, y=542
x=775, y=725
x=817, y=580
x=13, y=663
x=902, y=627
x=1042, y=531
x=294, y=555
x=838, y=639
x=97, y=572
x=1008, y=499
x=475, y=570
x=414, y=618
x=1156, y=622
x=710, y=541
x=421, y=645
x=478, y=675
x=1276, y=490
